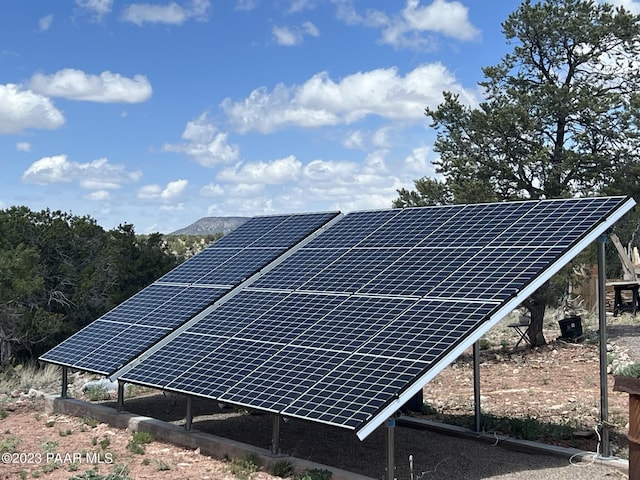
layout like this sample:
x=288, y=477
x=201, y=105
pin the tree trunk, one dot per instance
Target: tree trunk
x=6, y=352
x=536, y=304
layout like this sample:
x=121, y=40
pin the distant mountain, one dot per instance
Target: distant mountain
x=212, y=225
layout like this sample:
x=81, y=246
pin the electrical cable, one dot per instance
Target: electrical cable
x=593, y=457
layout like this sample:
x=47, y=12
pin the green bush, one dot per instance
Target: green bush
x=136, y=448
x=428, y=409
x=282, y=468
x=9, y=444
x=90, y=422
x=142, y=437
x=162, y=466
x=244, y=468
x=96, y=393
x=105, y=442
x=631, y=370
x=138, y=441
x=119, y=472
x=314, y=474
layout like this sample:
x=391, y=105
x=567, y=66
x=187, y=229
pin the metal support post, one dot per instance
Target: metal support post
x=188, y=417
x=65, y=382
x=602, y=317
x=391, y=468
x=120, y=404
x=275, y=436
x=476, y=386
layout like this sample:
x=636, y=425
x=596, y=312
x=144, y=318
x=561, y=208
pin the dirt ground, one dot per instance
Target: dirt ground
x=558, y=384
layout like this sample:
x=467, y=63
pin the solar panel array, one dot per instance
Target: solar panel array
x=349, y=326
x=123, y=333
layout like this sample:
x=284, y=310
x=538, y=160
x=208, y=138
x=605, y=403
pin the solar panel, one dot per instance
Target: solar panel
x=125, y=332
x=352, y=325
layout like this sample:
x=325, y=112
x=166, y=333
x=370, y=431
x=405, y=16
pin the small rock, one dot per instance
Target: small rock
x=105, y=383
x=33, y=393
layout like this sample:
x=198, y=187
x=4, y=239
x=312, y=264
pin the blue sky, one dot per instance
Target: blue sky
x=160, y=113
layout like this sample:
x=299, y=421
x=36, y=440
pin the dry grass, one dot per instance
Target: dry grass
x=29, y=375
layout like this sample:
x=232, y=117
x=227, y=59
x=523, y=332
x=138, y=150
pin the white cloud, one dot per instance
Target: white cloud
x=319, y=185
x=95, y=8
x=174, y=189
x=287, y=184
x=291, y=36
x=172, y=208
x=149, y=191
x=45, y=23
x=23, y=146
x=246, y=5
x=245, y=190
x=632, y=5
x=448, y=18
x=310, y=29
x=99, y=196
x=410, y=28
x=355, y=140
x=327, y=171
x=299, y=5
x=380, y=137
x=351, y=185
x=171, y=13
x=244, y=206
x=321, y=101
x=95, y=175
x=22, y=109
x=205, y=144
x=278, y=171
x=212, y=190
x=363, y=140
x=105, y=88
x=419, y=163
x=286, y=36
x=49, y=170
x=170, y=192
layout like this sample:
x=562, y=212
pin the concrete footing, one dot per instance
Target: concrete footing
x=220, y=447
x=217, y=447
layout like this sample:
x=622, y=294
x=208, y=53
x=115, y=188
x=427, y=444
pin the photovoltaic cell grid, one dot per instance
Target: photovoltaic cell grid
x=246, y=250
x=125, y=332
x=345, y=326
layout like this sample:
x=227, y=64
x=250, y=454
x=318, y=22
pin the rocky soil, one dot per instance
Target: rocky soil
x=557, y=385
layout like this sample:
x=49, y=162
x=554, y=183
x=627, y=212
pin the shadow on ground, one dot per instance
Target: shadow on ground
x=434, y=455
x=623, y=331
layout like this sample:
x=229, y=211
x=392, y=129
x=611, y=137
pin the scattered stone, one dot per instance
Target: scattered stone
x=104, y=383
x=33, y=393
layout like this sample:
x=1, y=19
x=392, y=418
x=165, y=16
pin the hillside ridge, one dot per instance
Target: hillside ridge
x=212, y=226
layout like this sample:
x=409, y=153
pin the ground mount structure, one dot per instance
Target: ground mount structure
x=337, y=319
